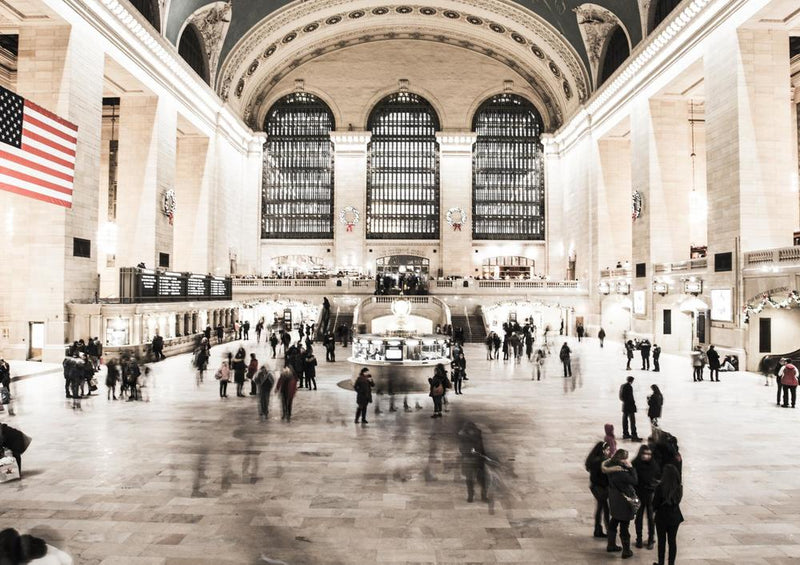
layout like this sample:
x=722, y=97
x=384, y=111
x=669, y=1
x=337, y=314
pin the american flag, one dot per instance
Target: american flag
x=37, y=151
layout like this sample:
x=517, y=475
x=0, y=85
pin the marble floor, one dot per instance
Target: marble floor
x=190, y=479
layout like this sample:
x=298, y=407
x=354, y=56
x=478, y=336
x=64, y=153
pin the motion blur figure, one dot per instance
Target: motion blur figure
x=470, y=439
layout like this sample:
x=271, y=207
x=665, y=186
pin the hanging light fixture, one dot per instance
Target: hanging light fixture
x=697, y=204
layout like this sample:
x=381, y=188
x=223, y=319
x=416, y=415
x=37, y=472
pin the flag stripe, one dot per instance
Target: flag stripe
x=32, y=189
x=50, y=117
x=68, y=140
x=9, y=165
x=43, y=151
x=35, y=166
x=29, y=134
x=7, y=172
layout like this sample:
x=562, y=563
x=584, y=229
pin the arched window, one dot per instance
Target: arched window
x=617, y=51
x=508, y=170
x=297, y=186
x=661, y=10
x=149, y=9
x=190, y=48
x=403, y=169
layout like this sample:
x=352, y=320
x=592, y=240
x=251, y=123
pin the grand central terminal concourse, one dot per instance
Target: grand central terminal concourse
x=446, y=282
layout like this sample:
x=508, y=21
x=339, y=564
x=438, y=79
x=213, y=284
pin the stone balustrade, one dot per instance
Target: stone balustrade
x=781, y=255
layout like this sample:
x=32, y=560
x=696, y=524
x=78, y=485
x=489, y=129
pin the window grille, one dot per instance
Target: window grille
x=508, y=171
x=403, y=169
x=297, y=184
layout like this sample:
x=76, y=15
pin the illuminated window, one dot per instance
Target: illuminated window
x=403, y=169
x=297, y=187
x=508, y=170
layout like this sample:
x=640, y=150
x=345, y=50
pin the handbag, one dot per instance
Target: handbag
x=9, y=470
x=5, y=395
x=633, y=501
x=438, y=390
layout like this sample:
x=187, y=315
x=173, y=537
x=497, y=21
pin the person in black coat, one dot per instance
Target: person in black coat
x=713, y=363
x=310, y=368
x=644, y=349
x=622, y=480
x=628, y=410
x=666, y=502
x=15, y=441
x=439, y=384
x=628, y=354
x=654, y=403
x=473, y=463
x=16, y=548
x=656, y=357
x=363, y=387
x=598, y=485
x=648, y=473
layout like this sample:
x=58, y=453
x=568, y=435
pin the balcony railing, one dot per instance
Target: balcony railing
x=367, y=286
x=781, y=255
x=615, y=273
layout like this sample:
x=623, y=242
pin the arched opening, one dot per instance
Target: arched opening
x=617, y=50
x=406, y=273
x=190, y=48
x=403, y=169
x=508, y=170
x=297, y=182
x=661, y=9
x=149, y=9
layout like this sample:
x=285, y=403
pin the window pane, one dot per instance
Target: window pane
x=297, y=184
x=508, y=171
x=403, y=170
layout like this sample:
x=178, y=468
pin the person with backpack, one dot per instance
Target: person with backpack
x=363, y=387
x=598, y=485
x=788, y=379
x=223, y=375
x=564, y=355
x=438, y=384
x=623, y=504
x=666, y=503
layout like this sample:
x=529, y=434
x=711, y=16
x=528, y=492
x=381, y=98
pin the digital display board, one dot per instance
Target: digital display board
x=145, y=285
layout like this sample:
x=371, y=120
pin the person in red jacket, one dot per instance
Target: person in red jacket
x=788, y=377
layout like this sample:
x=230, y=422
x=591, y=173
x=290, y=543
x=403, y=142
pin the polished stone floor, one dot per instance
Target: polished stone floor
x=191, y=479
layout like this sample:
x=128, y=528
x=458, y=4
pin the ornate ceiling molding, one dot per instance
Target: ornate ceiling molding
x=595, y=24
x=212, y=22
x=644, y=15
x=302, y=31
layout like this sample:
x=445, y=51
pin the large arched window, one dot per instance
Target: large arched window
x=617, y=51
x=149, y=9
x=297, y=193
x=508, y=170
x=661, y=10
x=403, y=173
x=190, y=48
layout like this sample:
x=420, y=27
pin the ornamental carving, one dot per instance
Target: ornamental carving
x=595, y=24
x=212, y=22
x=274, y=28
x=169, y=204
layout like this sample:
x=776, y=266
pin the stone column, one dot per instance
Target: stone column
x=178, y=325
x=350, y=189
x=249, y=251
x=60, y=70
x=556, y=255
x=752, y=167
x=455, y=185
x=614, y=202
x=194, y=172
x=147, y=139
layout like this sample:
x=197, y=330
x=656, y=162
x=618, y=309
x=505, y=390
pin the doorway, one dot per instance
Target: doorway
x=35, y=341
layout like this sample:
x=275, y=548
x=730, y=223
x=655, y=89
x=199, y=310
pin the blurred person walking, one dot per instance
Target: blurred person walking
x=287, y=387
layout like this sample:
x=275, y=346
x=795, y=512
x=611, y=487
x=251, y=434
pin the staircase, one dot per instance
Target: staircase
x=472, y=324
x=340, y=318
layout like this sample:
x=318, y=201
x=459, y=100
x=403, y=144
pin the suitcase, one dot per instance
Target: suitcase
x=9, y=471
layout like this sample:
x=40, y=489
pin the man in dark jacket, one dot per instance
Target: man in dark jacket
x=656, y=357
x=622, y=480
x=644, y=348
x=628, y=411
x=713, y=363
x=158, y=347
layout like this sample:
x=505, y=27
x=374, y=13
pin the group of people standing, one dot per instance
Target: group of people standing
x=647, y=488
x=645, y=348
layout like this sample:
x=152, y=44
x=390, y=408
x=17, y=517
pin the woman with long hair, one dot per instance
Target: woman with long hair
x=666, y=502
x=648, y=472
x=598, y=485
x=654, y=403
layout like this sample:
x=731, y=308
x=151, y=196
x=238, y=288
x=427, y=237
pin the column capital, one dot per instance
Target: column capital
x=550, y=145
x=350, y=141
x=256, y=143
x=456, y=141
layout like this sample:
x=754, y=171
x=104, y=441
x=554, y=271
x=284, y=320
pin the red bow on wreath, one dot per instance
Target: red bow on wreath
x=350, y=227
x=456, y=227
